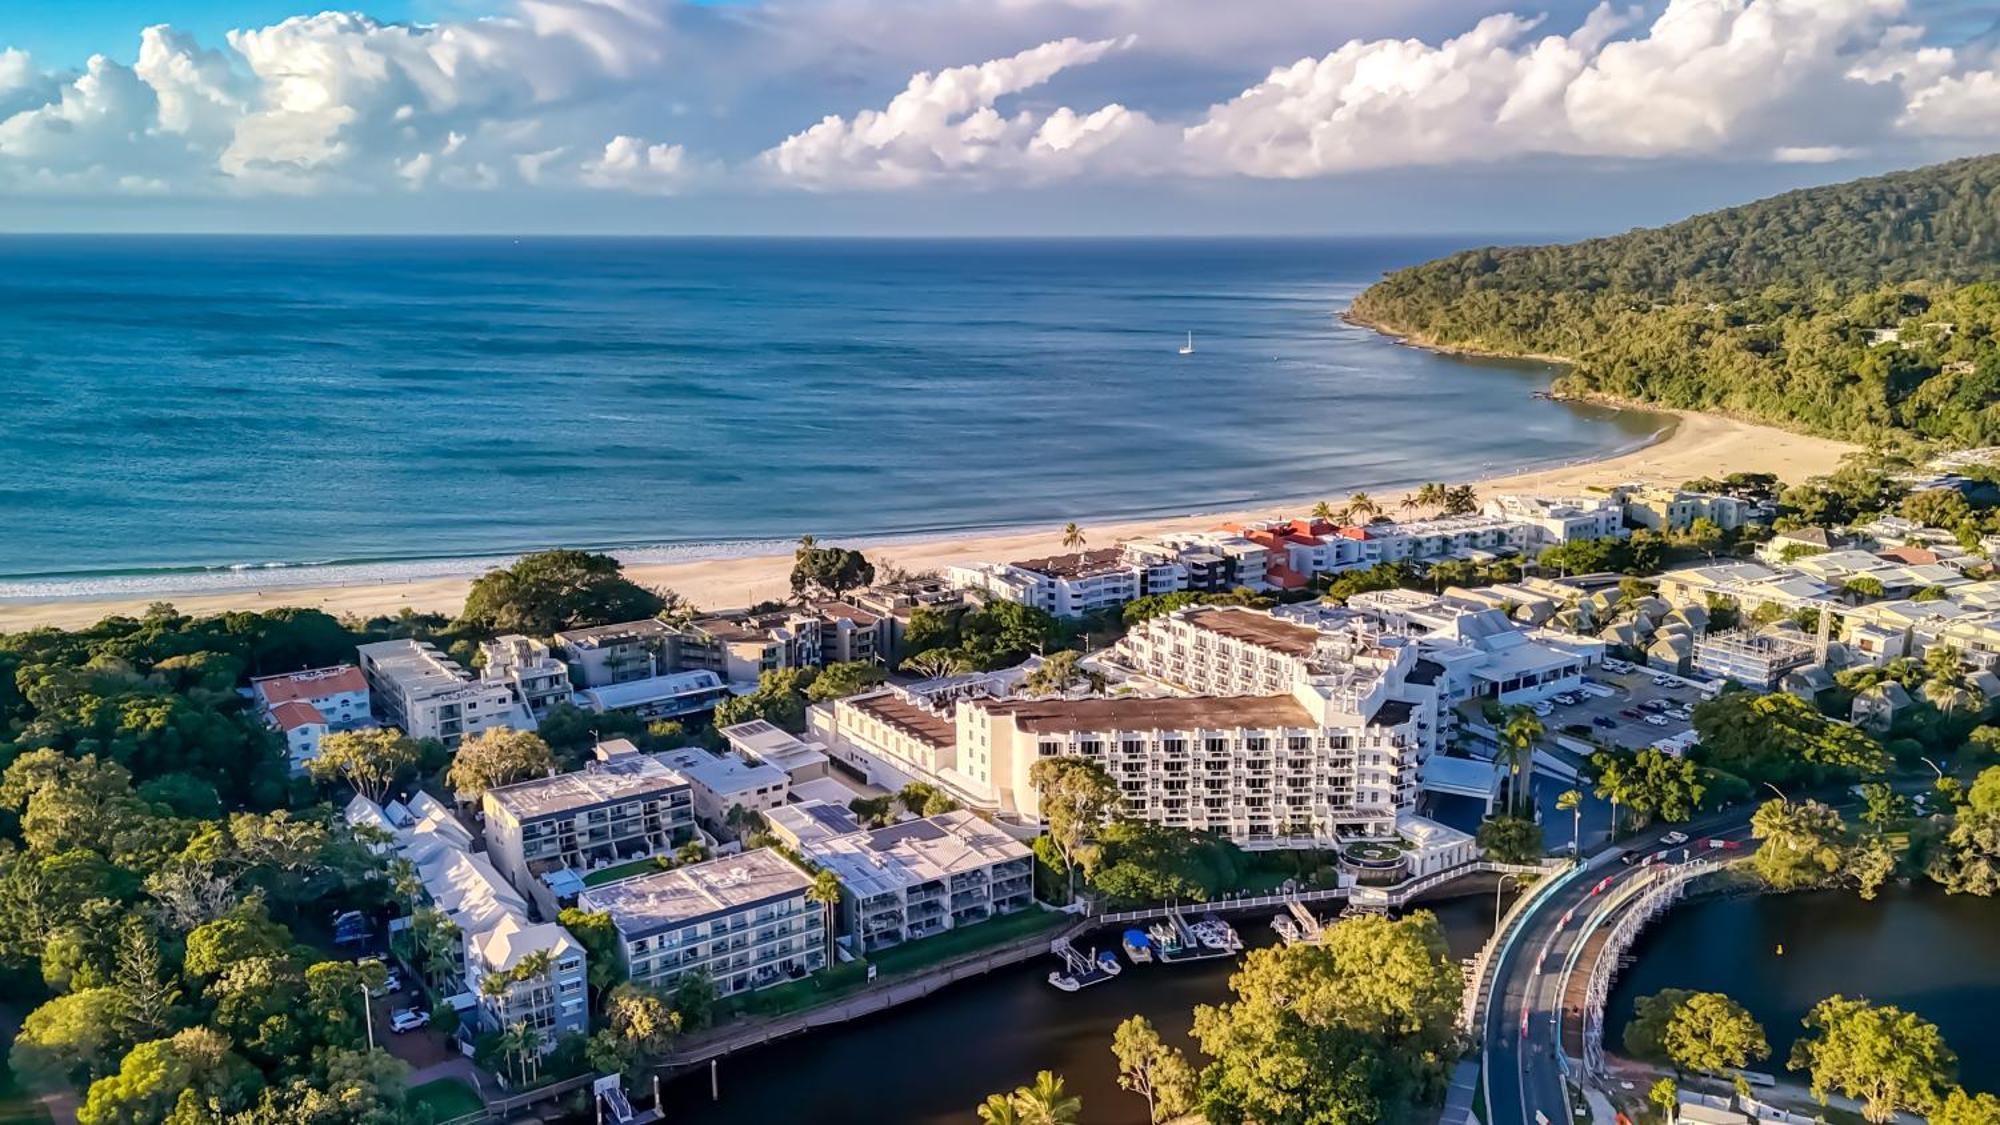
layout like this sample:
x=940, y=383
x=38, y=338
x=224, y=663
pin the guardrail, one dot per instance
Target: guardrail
x=1655, y=902
x=1394, y=896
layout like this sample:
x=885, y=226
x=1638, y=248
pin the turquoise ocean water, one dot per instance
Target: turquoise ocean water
x=184, y=414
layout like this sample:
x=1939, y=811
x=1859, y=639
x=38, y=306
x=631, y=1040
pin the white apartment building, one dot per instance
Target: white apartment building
x=622, y=807
x=1562, y=519
x=1295, y=730
x=306, y=706
x=923, y=877
x=538, y=679
x=616, y=654
x=1485, y=653
x=1755, y=660
x=1210, y=561
x=1674, y=509
x=428, y=695
x=742, y=919
x=675, y=695
x=1072, y=585
x=496, y=931
x=1448, y=537
x=722, y=782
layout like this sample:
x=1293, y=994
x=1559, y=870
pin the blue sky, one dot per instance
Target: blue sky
x=968, y=116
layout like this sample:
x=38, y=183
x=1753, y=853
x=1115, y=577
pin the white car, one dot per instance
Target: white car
x=1662, y=681
x=408, y=1019
x=1674, y=839
x=1656, y=720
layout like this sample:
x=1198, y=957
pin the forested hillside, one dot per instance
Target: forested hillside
x=1850, y=309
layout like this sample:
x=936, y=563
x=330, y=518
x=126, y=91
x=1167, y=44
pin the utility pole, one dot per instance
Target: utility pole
x=367, y=1013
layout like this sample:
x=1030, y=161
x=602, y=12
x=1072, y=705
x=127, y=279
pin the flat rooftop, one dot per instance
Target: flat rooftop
x=917, y=722
x=1223, y=712
x=772, y=745
x=623, y=778
x=724, y=773
x=1083, y=564
x=604, y=636
x=665, y=900
x=883, y=860
x=418, y=669
x=1260, y=629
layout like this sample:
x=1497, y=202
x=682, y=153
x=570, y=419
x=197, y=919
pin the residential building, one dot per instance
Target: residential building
x=894, y=602
x=675, y=695
x=1796, y=543
x=306, y=706
x=623, y=806
x=740, y=647
x=923, y=877
x=539, y=680
x=617, y=654
x=763, y=742
x=1072, y=585
x=850, y=633
x=1209, y=561
x=1674, y=509
x=723, y=782
x=742, y=919
x=429, y=695
x=1755, y=660
x=806, y=822
x=555, y=1002
x=1557, y=520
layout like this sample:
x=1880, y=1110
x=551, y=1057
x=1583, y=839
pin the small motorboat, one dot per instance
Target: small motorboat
x=1064, y=981
x=1138, y=947
x=1287, y=927
x=1108, y=963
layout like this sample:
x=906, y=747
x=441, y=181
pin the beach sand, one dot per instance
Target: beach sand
x=1697, y=445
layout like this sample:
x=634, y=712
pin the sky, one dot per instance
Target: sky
x=967, y=117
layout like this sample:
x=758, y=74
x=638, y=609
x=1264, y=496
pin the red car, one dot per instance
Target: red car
x=1630, y=713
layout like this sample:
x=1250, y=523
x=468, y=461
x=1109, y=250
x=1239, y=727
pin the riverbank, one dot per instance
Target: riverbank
x=1692, y=445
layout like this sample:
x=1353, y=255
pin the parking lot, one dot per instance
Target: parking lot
x=1626, y=708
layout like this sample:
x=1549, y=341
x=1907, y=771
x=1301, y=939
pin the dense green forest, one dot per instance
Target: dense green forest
x=1855, y=309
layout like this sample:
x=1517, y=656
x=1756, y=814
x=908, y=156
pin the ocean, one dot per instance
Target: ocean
x=196, y=413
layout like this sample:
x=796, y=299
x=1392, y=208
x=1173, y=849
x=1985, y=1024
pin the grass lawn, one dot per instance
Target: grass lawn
x=446, y=1098
x=820, y=988
x=640, y=866
x=966, y=939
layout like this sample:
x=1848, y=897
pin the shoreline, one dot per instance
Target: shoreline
x=1692, y=445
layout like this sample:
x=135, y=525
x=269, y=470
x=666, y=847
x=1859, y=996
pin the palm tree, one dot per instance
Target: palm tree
x=825, y=890
x=1431, y=495
x=1046, y=1103
x=1460, y=500
x=1072, y=537
x=1517, y=748
x=808, y=542
x=999, y=1109
x=1571, y=801
x=1363, y=507
x=1323, y=511
x=1410, y=503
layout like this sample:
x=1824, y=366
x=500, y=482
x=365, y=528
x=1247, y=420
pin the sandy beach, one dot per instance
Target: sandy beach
x=1696, y=445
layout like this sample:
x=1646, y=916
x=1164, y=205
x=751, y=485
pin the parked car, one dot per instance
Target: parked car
x=1605, y=721
x=1656, y=720
x=1663, y=681
x=408, y=1019
x=1656, y=706
x=1630, y=713
x=1674, y=839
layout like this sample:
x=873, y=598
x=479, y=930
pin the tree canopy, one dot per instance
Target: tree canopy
x=549, y=591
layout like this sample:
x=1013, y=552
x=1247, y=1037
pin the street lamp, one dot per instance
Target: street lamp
x=1496, y=898
x=1779, y=792
x=367, y=1012
x=1935, y=768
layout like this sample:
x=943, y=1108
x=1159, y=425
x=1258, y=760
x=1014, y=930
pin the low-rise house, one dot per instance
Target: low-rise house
x=1800, y=542
x=616, y=654
x=922, y=877
x=1876, y=708
x=306, y=706
x=623, y=806
x=723, y=782
x=744, y=920
x=429, y=695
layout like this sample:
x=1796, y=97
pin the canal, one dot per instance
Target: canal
x=1915, y=947
x=935, y=1060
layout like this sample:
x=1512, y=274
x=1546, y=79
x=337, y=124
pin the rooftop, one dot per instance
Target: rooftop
x=604, y=636
x=1226, y=712
x=766, y=742
x=808, y=821
x=884, y=860
x=900, y=714
x=294, y=714
x=723, y=774
x=1083, y=564
x=622, y=778
x=663, y=900
x=634, y=693
x=1260, y=629
x=317, y=683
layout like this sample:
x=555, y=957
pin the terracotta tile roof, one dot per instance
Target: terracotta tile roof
x=293, y=714
x=1139, y=713
x=319, y=683
x=1260, y=629
x=918, y=722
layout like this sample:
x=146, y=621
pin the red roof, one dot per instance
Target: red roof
x=292, y=715
x=1911, y=556
x=320, y=683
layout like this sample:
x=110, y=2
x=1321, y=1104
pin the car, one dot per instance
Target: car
x=1605, y=721
x=1662, y=681
x=408, y=1019
x=1631, y=713
x=1674, y=839
x=1656, y=720
x=1654, y=705
x=1543, y=710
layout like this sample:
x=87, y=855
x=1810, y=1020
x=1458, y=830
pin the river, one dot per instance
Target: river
x=935, y=1060
x=1915, y=947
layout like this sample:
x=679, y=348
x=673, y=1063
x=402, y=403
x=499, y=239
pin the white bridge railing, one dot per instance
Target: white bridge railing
x=1657, y=900
x=1373, y=897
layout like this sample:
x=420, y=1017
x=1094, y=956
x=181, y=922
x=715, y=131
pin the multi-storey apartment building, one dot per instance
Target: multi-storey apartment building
x=1674, y=509
x=539, y=680
x=675, y=695
x=1755, y=660
x=554, y=1001
x=1071, y=585
x=742, y=919
x=1283, y=730
x=740, y=647
x=849, y=633
x=1210, y=562
x=723, y=782
x=624, y=806
x=306, y=706
x=616, y=654
x=429, y=695
x=922, y=877
x=1561, y=519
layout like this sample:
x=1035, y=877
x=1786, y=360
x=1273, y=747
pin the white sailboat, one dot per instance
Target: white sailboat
x=1188, y=348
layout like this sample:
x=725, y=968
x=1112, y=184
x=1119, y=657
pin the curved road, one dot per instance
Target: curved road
x=1524, y=1065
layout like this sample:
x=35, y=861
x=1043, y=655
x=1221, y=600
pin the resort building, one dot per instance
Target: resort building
x=617, y=654
x=764, y=742
x=923, y=877
x=622, y=807
x=723, y=782
x=1074, y=585
x=1674, y=509
x=539, y=680
x=428, y=695
x=740, y=647
x=1557, y=520
x=1755, y=660
x=673, y=696
x=492, y=919
x=742, y=919
x=306, y=706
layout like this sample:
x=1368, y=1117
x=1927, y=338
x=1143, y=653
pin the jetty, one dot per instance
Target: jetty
x=1080, y=971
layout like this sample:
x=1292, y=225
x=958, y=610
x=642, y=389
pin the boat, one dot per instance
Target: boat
x=1188, y=348
x=1138, y=947
x=1079, y=970
x=1164, y=939
x=1287, y=927
x=1064, y=981
x=1108, y=963
x=1217, y=935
